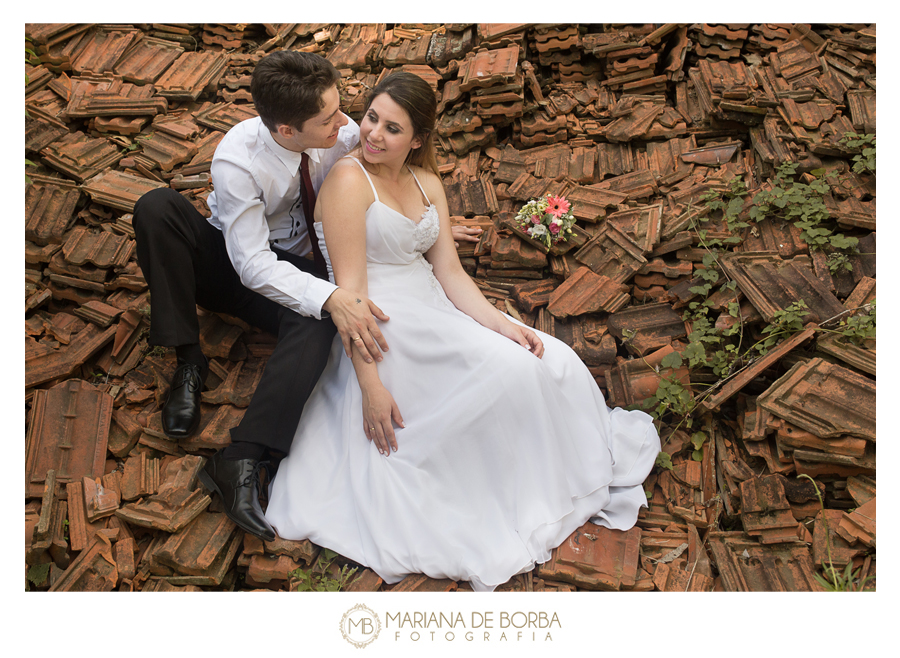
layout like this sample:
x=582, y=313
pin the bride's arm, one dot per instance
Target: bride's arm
x=459, y=287
x=352, y=312
x=341, y=207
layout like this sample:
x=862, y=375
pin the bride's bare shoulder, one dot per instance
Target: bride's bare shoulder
x=430, y=181
x=345, y=176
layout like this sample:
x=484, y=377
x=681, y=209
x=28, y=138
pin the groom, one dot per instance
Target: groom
x=248, y=260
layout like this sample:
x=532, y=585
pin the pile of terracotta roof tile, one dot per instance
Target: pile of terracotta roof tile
x=632, y=123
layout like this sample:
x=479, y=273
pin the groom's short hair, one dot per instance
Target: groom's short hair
x=287, y=87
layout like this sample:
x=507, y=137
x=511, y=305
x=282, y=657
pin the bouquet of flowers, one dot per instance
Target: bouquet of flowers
x=548, y=220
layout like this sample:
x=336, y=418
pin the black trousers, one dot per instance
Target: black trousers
x=184, y=260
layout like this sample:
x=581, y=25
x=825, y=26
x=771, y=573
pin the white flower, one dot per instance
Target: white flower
x=538, y=230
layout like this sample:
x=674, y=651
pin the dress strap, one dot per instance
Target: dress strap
x=367, y=176
x=421, y=189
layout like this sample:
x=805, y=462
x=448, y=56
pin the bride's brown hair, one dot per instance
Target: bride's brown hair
x=417, y=99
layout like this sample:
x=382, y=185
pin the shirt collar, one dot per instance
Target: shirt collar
x=290, y=159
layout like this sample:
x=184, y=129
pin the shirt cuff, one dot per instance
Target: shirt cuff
x=317, y=293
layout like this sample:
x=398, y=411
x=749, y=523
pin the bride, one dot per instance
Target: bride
x=476, y=445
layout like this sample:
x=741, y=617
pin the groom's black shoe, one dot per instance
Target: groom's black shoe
x=237, y=482
x=181, y=412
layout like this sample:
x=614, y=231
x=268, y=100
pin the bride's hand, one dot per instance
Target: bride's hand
x=523, y=336
x=379, y=409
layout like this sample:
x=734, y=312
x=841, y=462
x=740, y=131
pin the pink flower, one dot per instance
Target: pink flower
x=558, y=206
x=554, y=228
x=535, y=219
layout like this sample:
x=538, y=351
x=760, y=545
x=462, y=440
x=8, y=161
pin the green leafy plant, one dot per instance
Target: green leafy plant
x=731, y=203
x=804, y=205
x=861, y=327
x=318, y=579
x=37, y=574
x=865, y=160
x=787, y=322
x=663, y=460
x=670, y=396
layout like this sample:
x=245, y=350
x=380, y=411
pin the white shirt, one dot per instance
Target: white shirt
x=256, y=204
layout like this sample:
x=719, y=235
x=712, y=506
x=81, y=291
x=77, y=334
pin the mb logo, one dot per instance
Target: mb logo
x=360, y=626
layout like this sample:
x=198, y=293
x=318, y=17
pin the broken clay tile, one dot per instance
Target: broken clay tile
x=175, y=504
x=590, y=204
x=632, y=382
x=206, y=147
x=653, y=326
x=673, y=579
x=299, y=551
x=636, y=185
x=859, y=525
x=68, y=433
x=48, y=212
x=167, y=150
x=643, y=225
x=861, y=489
x=774, y=236
x=110, y=97
x=860, y=357
x=533, y=294
x=765, y=511
x=94, y=570
x=147, y=59
x=514, y=250
x=366, y=581
x=124, y=433
x=102, y=48
x=216, y=433
x=48, y=520
x=746, y=566
x=833, y=548
x=586, y=292
x=124, y=554
x=772, y=284
x=861, y=103
x=217, y=337
x=99, y=501
x=81, y=531
x=238, y=389
x=103, y=249
x=224, y=116
x=266, y=568
x=118, y=190
x=422, y=583
x=741, y=379
x=611, y=253
x=594, y=557
x=79, y=157
x=825, y=399
x=487, y=68
x=203, y=548
x=140, y=476
x=41, y=130
x=128, y=329
x=99, y=313
x=190, y=74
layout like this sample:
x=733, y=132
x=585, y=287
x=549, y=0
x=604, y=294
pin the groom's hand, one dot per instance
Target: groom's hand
x=352, y=314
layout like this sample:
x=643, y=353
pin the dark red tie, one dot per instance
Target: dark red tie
x=308, y=197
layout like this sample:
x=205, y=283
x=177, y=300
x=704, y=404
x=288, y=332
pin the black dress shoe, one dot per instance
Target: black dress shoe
x=181, y=412
x=237, y=482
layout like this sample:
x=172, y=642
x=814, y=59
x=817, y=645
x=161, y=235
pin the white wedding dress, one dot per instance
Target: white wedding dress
x=503, y=455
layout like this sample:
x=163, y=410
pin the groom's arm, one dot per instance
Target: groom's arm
x=241, y=214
